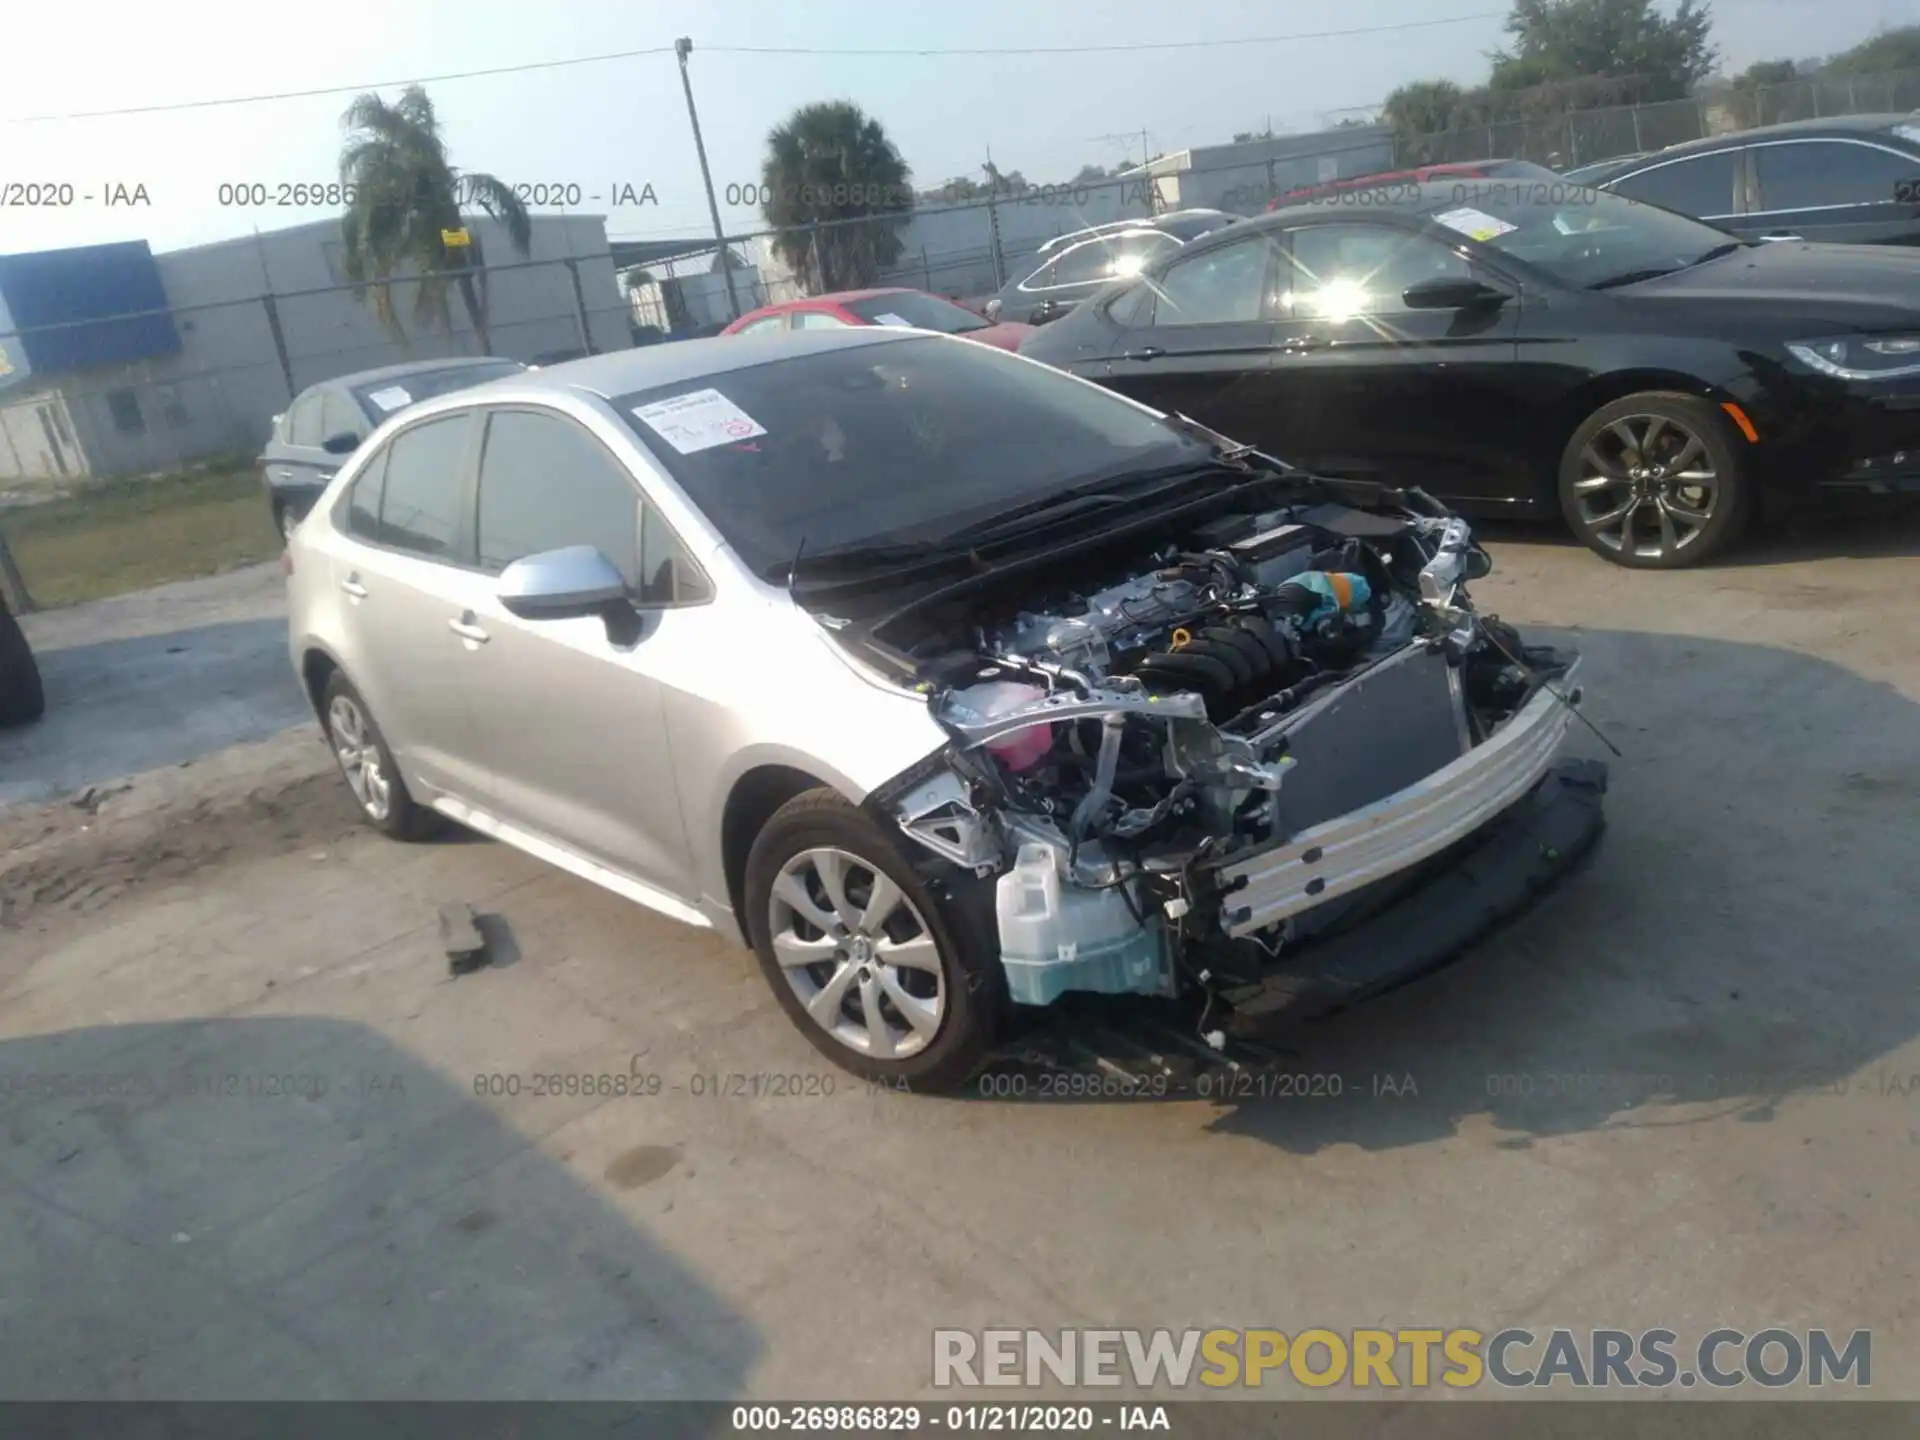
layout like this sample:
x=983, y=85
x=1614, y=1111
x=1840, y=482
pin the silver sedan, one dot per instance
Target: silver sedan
x=949, y=683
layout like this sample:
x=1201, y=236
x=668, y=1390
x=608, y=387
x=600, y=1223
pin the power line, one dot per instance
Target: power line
x=530, y=66
x=1107, y=49
x=343, y=89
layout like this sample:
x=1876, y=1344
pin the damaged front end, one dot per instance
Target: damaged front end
x=1219, y=764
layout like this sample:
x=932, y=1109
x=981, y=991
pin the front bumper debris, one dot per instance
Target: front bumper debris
x=1401, y=830
x=1523, y=854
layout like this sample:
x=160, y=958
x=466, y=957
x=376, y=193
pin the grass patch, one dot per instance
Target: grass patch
x=120, y=535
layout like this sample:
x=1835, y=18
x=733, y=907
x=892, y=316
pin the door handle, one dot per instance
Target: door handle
x=353, y=587
x=1146, y=352
x=326, y=475
x=466, y=629
x=1781, y=235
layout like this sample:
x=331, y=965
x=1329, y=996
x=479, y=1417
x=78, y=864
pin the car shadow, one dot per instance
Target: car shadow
x=298, y=1209
x=1742, y=934
x=118, y=707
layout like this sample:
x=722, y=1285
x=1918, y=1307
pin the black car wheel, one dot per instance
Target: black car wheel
x=284, y=519
x=22, y=699
x=1655, y=481
x=884, y=977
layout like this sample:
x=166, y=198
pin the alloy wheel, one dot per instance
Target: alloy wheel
x=858, y=953
x=1647, y=486
x=359, y=756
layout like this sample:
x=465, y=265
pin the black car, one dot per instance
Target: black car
x=1516, y=349
x=21, y=698
x=327, y=422
x=1070, y=267
x=1853, y=179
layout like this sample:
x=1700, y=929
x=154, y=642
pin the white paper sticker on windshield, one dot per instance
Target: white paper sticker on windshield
x=1475, y=224
x=391, y=398
x=698, y=420
x=889, y=318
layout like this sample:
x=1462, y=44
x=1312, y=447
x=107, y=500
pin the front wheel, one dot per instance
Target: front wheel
x=1655, y=481
x=886, y=978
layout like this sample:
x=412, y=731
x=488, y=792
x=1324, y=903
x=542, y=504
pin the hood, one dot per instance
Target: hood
x=1863, y=286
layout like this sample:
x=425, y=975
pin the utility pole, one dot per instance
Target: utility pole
x=682, y=48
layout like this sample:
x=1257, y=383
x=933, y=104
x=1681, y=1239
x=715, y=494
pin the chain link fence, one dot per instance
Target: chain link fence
x=1580, y=137
x=240, y=362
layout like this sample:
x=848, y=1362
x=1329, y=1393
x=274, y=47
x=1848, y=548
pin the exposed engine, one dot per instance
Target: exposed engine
x=1128, y=731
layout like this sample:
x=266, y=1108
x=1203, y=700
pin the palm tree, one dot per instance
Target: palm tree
x=404, y=196
x=838, y=191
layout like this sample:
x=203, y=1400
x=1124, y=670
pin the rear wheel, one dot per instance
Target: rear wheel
x=367, y=764
x=886, y=978
x=1655, y=481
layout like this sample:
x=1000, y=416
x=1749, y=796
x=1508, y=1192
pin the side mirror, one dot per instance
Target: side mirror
x=561, y=584
x=1448, y=293
x=341, y=444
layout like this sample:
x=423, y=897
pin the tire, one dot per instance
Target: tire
x=381, y=796
x=284, y=519
x=944, y=964
x=1678, y=502
x=22, y=697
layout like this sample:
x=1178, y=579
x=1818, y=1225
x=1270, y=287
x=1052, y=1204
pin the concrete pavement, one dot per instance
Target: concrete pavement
x=294, y=1158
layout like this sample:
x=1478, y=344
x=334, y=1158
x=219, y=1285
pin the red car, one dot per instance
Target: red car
x=1420, y=175
x=913, y=308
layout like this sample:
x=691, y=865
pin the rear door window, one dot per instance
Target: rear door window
x=1702, y=186
x=425, y=488
x=1817, y=174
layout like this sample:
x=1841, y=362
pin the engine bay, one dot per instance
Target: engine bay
x=1147, y=714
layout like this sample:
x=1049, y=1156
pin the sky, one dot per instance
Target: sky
x=618, y=126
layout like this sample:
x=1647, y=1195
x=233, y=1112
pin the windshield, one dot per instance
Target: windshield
x=1581, y=237
x=381, y=398
x=885, y=442
x=922, y=312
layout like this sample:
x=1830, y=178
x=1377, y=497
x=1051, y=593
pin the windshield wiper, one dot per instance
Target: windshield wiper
x=859, y=555
x=1098, y=493
x=1634, y=277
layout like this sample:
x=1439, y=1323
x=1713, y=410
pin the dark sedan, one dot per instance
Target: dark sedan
x=1521, y=348
x=327, y=422
x=1854, y=179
